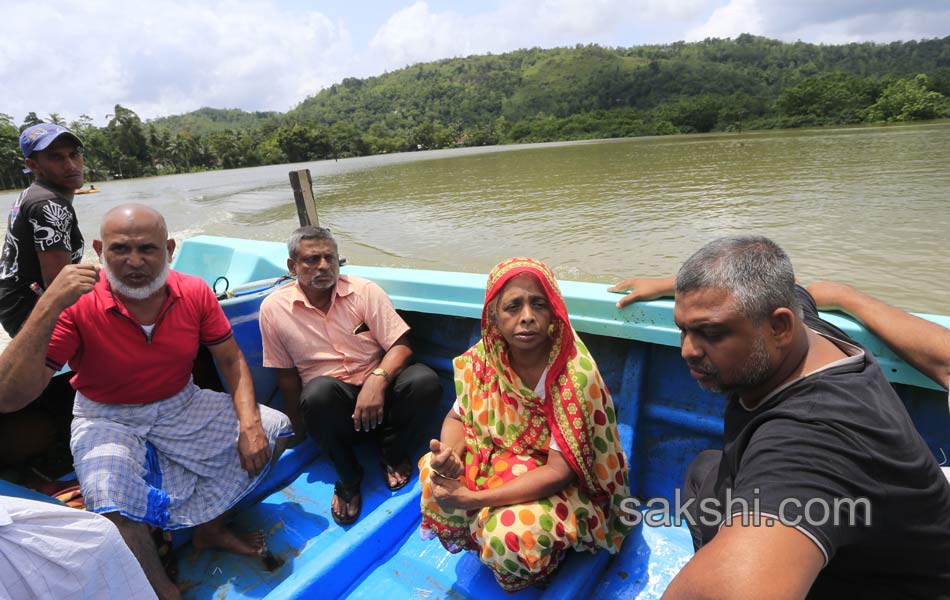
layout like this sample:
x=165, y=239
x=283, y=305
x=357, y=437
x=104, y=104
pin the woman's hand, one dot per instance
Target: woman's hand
x=452, y=493
x=445, y=463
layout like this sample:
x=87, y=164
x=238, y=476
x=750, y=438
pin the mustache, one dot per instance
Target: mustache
x=702, y=365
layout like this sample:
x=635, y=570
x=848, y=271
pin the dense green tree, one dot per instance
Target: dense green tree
x=693, y=114
x=180, y=150
x=909, y=99
x=233, y=149
x=829, y=98
x=209, y=120
x=300, y=143
x=533, y=95
x=30, y=120
x=381, y=139
x=269, y=153
x=129, y=153
x=346, y=140
x=11, y=161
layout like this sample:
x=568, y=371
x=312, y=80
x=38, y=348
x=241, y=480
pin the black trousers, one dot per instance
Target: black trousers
x=40, y=430
x=15, y=314
x=327, y=405
x=701, y=483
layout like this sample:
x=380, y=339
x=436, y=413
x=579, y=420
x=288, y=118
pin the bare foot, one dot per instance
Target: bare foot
x=397, y=476
x=347, y=510
x=217, y=536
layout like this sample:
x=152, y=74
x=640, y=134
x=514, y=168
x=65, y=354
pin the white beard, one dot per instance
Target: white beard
x=136, y=293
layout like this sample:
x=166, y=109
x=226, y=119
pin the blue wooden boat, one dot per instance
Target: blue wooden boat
x=665, y=420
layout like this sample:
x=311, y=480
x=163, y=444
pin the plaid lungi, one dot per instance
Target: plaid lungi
x=172, y=463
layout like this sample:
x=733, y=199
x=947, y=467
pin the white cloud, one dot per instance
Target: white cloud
x=898, y=25
x=736, y=17
x=417, y=33
x=573, y=18
x=167, y=57
x=171, y=56
x=828, y=21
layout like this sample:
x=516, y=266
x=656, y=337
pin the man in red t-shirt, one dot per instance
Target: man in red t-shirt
x=132, y=336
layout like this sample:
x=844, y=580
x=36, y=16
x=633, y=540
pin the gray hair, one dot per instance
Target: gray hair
x=308, y=232
x=753, y=268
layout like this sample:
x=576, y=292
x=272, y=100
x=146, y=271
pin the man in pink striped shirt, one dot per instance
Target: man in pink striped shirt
x=344, y=366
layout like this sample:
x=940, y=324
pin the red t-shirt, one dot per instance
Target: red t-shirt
x=116, y=362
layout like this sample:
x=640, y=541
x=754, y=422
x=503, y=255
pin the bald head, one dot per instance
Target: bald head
x=134, y=250
x=127, y=218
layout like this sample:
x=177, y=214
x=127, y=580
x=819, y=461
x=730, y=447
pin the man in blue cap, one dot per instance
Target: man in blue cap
x=42, y=237
x=42, y=231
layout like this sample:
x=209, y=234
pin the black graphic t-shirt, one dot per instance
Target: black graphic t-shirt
x=40, y=220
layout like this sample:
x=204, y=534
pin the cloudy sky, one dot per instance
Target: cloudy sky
x=163, y=57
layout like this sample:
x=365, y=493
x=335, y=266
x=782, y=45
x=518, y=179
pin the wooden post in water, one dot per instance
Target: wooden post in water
x=302, y=185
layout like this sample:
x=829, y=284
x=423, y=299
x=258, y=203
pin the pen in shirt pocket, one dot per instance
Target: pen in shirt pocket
x=37, y=289
x=361, y=328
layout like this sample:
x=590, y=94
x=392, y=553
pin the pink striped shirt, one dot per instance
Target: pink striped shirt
x=346, y=342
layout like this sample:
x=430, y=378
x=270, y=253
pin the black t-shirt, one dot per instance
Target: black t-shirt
x=836, y=435
x=40, y=220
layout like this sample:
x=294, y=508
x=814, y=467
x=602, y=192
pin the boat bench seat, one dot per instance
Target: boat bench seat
x=15, y=491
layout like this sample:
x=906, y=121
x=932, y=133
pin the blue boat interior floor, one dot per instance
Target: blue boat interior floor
x=650, y=558
x=383, y=554
x=424, y=569
x=300, y=532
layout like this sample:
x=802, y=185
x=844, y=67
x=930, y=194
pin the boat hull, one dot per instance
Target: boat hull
x=665, y=419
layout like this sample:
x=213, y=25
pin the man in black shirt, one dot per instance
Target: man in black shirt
x=923, y=344
x=824, y=488
x=42, y=231
x=42, y=237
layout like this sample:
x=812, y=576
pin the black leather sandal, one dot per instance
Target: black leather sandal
x=388, y=469
x=346, y=493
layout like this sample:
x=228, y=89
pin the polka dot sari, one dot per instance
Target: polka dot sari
x=508, y=432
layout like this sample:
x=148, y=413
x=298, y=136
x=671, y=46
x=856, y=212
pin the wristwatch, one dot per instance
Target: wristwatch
x=382, y=373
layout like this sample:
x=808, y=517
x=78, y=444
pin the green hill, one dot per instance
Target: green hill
x=208, y=120
x=534, y=95
x=566, y=81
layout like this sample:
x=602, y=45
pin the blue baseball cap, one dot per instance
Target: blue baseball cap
x=38, y=137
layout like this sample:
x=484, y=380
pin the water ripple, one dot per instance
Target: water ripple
x=867, y=205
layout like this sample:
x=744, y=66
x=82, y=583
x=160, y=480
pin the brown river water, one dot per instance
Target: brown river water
x=869, y=206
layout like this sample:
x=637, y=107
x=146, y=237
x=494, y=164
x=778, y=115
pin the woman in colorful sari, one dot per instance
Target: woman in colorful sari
x=529, y=463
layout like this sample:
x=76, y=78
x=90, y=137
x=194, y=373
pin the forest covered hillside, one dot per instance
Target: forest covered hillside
x=534, y=95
